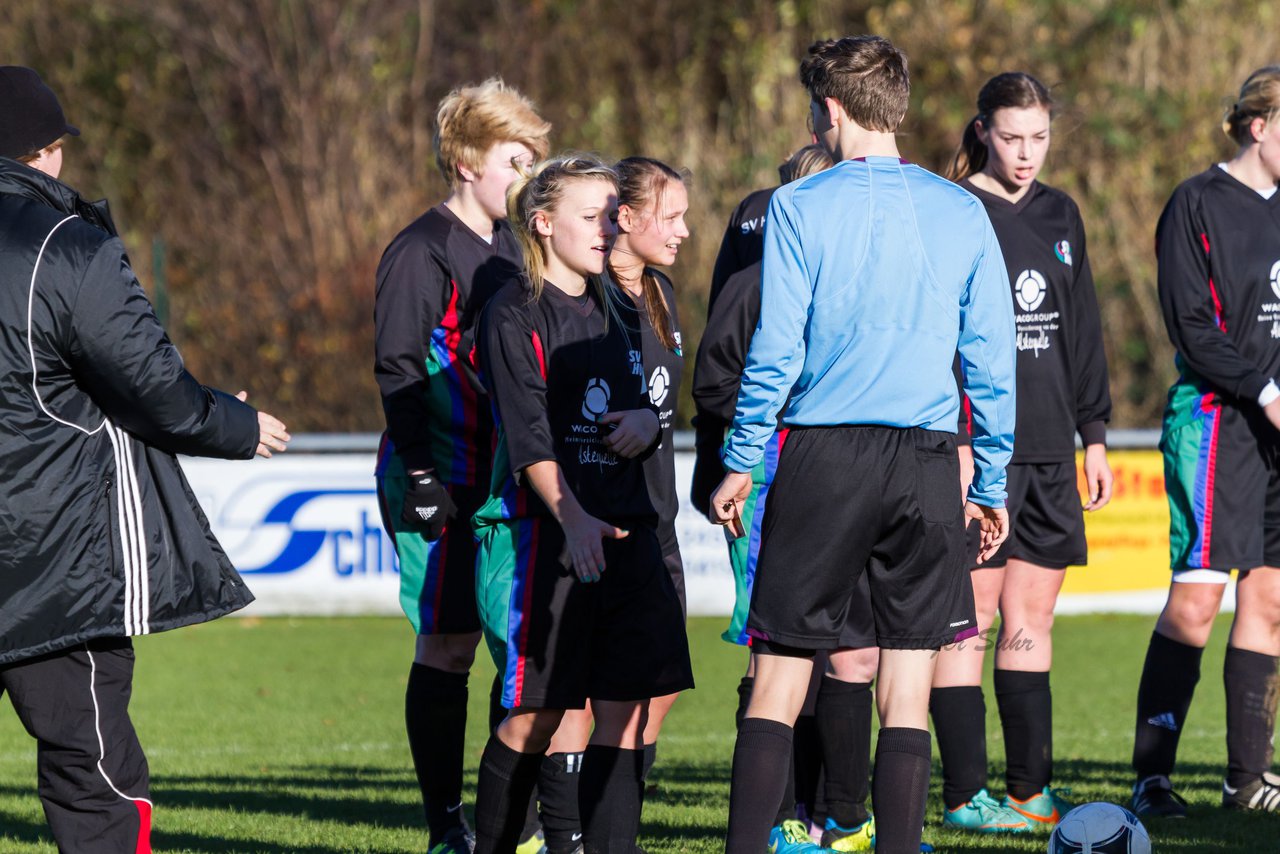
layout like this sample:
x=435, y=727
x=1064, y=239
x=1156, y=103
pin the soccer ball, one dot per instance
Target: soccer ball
x=1099, y=828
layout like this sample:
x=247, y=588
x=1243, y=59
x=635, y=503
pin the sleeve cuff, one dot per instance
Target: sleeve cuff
x=1269, y=393
x=1095, y=432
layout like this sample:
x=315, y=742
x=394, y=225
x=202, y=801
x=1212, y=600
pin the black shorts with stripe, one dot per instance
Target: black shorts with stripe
x=863, y=499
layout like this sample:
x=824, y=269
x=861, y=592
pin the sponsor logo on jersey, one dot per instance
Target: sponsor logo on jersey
x=637, y=363
x=659, y=385
x=1029, y=290
x=1275, y=279
x=595, y=400
x=1063, y=250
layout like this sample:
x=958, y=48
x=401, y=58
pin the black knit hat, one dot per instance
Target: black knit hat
x=30, y=115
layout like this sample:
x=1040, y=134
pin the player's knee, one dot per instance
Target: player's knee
x=451, y=653
x=854, y=665
x=1192, y=612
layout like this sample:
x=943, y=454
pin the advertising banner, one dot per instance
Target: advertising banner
x=306, y=532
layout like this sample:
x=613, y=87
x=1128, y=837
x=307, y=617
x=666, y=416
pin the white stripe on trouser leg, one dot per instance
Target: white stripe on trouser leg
x=142, y=585
x=126, y=533
x=97, y=728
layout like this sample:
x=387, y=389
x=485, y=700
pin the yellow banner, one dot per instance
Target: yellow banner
x=1129, y=538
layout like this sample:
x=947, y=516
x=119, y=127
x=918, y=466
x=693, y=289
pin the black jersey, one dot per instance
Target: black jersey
x=1062, y=368
x=1218, y=248
x=663, y=369
x=722, y=355
x=717, y=373
x=743, y=242
x=552, y=369
x=433, y=280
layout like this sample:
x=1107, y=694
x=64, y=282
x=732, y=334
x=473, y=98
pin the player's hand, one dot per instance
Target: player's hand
x=583, y=540
x=729, y=499
x=427, y=505
x=1272, y=411
x=272, y=435
x=965, y=452
x=1097, y=477
x=634, y=431
x=993, y=525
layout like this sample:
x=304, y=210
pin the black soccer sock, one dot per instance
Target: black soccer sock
x=650, y=757
x=1026, y=716
x=899, y=789
x=1252, y=691
x=503, y=790
x=435, y=717
x=806, y=753
x=761, y=769
x=960, y=723
x=843, y=716
x=1168, y=683
x=609, y=799
x=558, y=794
x=787, y=806
x=745, y=684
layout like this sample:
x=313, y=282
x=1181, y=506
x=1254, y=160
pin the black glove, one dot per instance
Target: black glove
x=427, y=505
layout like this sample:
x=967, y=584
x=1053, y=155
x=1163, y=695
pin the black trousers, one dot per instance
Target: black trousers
x=93, y=775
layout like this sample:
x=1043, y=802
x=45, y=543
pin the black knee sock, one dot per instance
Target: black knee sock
x=960, y=723
x=744, y=698
x=1169, y=679
x=844, y=728
x=806, y=752
x=1252, y=691
x=609, y=799
x=435, y=717
x=650, y=757
x=1026, y=717
x=558, y=793
x=503, y=790
x=899, y=789
x=761, y=767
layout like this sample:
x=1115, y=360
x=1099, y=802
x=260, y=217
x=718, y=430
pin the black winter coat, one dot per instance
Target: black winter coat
x=100, y=534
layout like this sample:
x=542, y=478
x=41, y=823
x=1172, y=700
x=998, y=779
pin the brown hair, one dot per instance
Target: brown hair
x=804, y=162
x=643, y=181
x=1259, y=98
x=31, y=156
x=540, y=191
x=867, y=75
x=472, y=119
x=1010, y=89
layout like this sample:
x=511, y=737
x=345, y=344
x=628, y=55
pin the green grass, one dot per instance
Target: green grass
x=287, y=736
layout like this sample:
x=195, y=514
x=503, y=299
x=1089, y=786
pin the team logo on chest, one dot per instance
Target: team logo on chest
x=595, y=401
x=659, y=385
x=1275, y=279
x=1029, y=290
x=1063, y=250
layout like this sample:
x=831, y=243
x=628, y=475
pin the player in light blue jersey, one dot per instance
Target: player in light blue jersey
x=875, y=272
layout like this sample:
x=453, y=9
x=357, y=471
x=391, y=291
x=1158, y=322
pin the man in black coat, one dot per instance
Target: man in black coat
x=101, y=537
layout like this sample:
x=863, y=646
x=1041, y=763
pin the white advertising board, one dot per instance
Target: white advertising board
x=306, y=533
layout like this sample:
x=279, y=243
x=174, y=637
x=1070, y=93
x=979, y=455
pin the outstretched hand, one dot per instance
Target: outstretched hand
x=272, y=435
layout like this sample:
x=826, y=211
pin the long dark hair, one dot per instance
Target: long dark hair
x=1010, y=89
x=642, y=180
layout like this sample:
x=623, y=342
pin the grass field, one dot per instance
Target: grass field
x=286, y=735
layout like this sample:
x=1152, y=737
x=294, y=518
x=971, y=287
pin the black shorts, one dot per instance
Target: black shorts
x=675, y=568
x=862, y=499
x=1046, y=520
x=558, y=642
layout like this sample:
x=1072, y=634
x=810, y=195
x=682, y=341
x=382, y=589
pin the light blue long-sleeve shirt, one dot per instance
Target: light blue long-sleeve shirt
x=875, y=273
